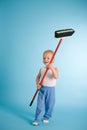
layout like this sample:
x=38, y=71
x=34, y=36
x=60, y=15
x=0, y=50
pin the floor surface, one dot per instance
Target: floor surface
x=15, y=118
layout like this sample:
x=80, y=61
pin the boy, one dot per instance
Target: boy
x=46, y=95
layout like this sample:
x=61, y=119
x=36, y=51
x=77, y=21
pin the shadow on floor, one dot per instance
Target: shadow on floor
x=18, y=111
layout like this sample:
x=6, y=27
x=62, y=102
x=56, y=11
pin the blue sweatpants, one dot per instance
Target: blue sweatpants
x=45, y=103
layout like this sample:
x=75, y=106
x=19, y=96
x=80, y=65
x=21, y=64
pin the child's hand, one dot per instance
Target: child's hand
x=54, y=70
x=50, y=66
x=38, y=86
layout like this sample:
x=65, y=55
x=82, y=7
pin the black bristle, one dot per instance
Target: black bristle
x=64, y=33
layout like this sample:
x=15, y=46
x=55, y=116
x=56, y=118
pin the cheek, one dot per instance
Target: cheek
x=50, y=59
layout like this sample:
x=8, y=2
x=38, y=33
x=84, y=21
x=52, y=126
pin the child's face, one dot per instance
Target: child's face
x=47, y=57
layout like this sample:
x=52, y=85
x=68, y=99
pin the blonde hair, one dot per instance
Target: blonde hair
x=47, y=51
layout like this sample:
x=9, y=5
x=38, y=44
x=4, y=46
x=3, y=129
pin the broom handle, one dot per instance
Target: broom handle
x=46, y=72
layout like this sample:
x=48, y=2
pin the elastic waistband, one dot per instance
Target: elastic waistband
x=47, y=86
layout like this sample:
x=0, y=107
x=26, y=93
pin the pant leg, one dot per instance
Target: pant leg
x=40, y=105
x=49, y=102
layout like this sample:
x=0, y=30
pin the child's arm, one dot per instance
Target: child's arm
x=37, y=80
x=54, y=70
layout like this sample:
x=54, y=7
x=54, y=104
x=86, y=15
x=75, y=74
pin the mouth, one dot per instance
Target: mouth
x=46, y=63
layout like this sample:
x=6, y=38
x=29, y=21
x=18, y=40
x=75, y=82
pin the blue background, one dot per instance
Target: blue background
x=26, y=30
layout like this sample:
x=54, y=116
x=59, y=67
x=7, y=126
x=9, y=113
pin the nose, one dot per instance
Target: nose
x=46, y=60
